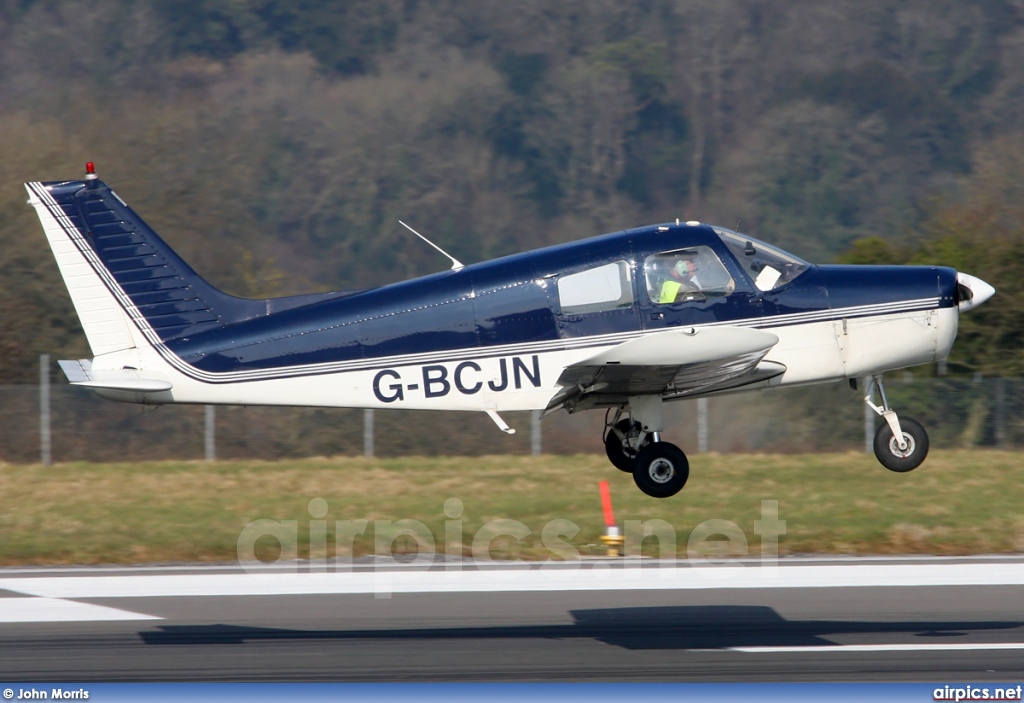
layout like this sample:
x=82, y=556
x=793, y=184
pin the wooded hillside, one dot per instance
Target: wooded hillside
x=276, y=144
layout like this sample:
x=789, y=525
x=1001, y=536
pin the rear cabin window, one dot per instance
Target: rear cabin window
x=683, y=275
x=596, y=290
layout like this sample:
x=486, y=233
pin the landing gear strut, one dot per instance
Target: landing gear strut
x=659, y=469
x=900, y=445
x=622, y=442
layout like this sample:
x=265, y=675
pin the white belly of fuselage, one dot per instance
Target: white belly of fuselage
x=520, y=378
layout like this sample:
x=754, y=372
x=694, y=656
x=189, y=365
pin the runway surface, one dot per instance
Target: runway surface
x=934, y=620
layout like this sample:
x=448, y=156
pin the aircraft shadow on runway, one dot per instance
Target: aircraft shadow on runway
x=662, y=627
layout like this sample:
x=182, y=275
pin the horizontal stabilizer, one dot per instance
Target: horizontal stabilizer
x=81, y=373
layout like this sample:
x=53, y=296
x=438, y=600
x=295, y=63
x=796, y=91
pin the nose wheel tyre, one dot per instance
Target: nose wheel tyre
x=619, y=454
x=660, y=469
x=888, y=451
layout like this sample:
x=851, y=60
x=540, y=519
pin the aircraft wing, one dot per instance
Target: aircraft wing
x=672, y=363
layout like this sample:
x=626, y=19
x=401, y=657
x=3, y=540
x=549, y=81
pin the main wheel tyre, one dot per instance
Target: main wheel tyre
x=621, y=457
x=889, y=453
x=660, y=469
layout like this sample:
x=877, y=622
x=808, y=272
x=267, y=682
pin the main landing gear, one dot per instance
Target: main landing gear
x=900, y=445
x=659, y=469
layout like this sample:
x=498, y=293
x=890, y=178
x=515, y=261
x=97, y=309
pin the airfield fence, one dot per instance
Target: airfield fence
x=957, y=412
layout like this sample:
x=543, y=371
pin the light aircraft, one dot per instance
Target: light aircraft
x=625, y=321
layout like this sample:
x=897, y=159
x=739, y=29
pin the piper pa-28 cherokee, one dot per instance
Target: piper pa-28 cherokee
x=625, y=321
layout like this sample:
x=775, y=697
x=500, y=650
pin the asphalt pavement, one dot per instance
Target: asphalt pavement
x=935, y=620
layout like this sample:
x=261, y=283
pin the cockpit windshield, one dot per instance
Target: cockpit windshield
x=769, y=266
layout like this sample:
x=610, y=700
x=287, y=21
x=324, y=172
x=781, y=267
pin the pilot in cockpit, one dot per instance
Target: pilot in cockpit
x=682, y=281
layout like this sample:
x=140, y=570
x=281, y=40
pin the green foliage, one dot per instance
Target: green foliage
x=873, y=250
x=655, y=142
x=343, y=36
x=981, y=232
x=821, y=178
x=917, y=119
x=644, y=64
x=524, y=73
x=209, y=28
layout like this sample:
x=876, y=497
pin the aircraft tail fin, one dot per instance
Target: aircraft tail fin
x=128, y=286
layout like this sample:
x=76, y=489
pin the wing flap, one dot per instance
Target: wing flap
x=675, y=362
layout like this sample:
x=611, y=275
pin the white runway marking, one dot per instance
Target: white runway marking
x=853, y=648
x=55, y=610
x=411, y=580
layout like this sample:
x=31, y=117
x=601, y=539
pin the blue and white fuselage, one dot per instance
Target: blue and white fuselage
x=625, y=320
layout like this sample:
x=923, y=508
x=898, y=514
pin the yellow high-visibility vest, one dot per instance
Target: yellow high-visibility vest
x=669, y=291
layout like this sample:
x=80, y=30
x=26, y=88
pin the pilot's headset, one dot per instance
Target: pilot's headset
x=684, y=268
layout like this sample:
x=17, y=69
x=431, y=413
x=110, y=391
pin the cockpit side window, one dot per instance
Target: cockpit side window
x=769, y=266
x=693, y=273
x=596, y=290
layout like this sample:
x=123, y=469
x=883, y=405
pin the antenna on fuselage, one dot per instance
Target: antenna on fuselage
x=456, y=264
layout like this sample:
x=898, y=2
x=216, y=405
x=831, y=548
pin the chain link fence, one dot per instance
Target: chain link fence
x=957, y=412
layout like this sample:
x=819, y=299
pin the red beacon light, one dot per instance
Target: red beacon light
x=90, y=175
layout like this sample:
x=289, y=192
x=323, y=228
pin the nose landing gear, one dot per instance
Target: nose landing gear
x=900, y=445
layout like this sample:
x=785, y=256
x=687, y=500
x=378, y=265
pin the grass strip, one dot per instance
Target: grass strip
x=959, y=502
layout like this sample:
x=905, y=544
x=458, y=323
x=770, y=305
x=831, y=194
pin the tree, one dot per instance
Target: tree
x=979, y=229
